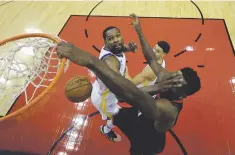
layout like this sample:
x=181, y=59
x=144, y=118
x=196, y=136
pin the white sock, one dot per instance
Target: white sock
x=108, y=127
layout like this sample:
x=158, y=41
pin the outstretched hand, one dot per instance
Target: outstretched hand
x=173, y=82
x=136, y=23
x=131, y=47
x=171, y=79
x=76, y=55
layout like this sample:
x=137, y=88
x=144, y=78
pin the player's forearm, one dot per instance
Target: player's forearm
x=152, y=90
x=146, y=48
x=116, y=83
x=149, y=55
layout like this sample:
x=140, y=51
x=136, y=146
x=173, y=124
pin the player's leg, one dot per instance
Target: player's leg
x=106, y=104
x=96, y=99
x=107, y=131
x=124, y=120
x=156, y=144
x=152, y=145
x=110, y=107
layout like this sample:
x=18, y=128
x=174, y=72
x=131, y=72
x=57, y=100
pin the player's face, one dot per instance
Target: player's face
x=114, y=41
x=158, y=51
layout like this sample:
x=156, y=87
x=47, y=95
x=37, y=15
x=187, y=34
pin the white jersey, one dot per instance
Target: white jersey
x=122, y=63
x=149, y=83
x=104, y=100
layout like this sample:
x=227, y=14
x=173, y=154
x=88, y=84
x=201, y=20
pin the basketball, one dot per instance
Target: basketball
x=78, y=89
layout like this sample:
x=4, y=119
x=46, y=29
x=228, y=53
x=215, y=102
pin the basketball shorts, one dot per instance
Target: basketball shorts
x=106, y=103
x=125, y=121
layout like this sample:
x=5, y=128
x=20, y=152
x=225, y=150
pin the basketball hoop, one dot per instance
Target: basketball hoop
x=27, y=61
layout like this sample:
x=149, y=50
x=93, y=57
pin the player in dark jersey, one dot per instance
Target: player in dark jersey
x=141, y=131
x=157, y=115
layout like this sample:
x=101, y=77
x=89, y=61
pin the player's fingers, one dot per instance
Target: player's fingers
x=177, y=85
x=167, y=86
x=134, y=45
x=62, y=44
x=169, y=76
x=61, y=47
x=62, y=52
x=133, y=16
x=174, y=76
x=60, y=55
x=178, y=78
x=177, y=73
x=57, y=48
x=175, y=81
x=130, y=46
x=174, y=86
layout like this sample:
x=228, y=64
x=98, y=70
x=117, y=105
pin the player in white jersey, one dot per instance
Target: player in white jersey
x=112, y=54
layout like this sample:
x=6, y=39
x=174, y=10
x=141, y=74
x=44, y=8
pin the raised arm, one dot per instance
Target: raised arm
x=146, y=48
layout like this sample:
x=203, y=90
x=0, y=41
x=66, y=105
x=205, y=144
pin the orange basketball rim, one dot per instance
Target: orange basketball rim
x=27, y=110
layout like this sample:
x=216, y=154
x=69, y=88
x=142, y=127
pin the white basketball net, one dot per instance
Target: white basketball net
x=29, y=63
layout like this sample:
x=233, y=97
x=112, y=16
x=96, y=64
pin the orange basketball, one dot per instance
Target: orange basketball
x=78, y=89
